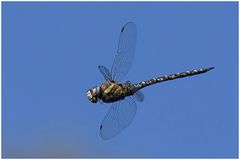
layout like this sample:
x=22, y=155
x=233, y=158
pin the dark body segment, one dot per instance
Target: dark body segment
x=143, y=84
x=112, y=91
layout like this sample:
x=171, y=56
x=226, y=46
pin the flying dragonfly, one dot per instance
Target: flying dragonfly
x=123, y=96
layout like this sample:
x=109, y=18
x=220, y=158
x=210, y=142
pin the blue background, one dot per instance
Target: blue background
x=50, y=56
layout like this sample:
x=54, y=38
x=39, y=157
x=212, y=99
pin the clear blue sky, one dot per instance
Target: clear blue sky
x=50, y=56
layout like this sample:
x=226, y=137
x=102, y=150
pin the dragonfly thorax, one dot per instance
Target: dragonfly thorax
x=112, y=91
x=93, y=94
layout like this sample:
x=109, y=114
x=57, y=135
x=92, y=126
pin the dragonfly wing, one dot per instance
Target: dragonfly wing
x=125, y=52
x=139, y=96
x=105, y=72
x=119, y=116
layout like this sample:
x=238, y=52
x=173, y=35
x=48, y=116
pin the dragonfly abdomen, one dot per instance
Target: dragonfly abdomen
x=170, y=77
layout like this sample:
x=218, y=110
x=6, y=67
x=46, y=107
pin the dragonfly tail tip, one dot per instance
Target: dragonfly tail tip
x=211, y=68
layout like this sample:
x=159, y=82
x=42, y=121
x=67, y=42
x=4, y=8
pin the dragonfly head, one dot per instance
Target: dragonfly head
x=93, y=94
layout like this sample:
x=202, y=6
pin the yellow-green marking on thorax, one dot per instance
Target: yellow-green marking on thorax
x=106, y=91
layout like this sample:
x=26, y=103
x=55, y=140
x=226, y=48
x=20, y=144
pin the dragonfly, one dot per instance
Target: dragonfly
x=123, y=96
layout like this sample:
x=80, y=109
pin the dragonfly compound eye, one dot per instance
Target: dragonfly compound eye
x=93, y=94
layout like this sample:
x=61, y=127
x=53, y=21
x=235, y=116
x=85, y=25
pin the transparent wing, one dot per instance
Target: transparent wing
x=139, y=96
x=105, y=72
x=125, y=52
x=119, y=116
